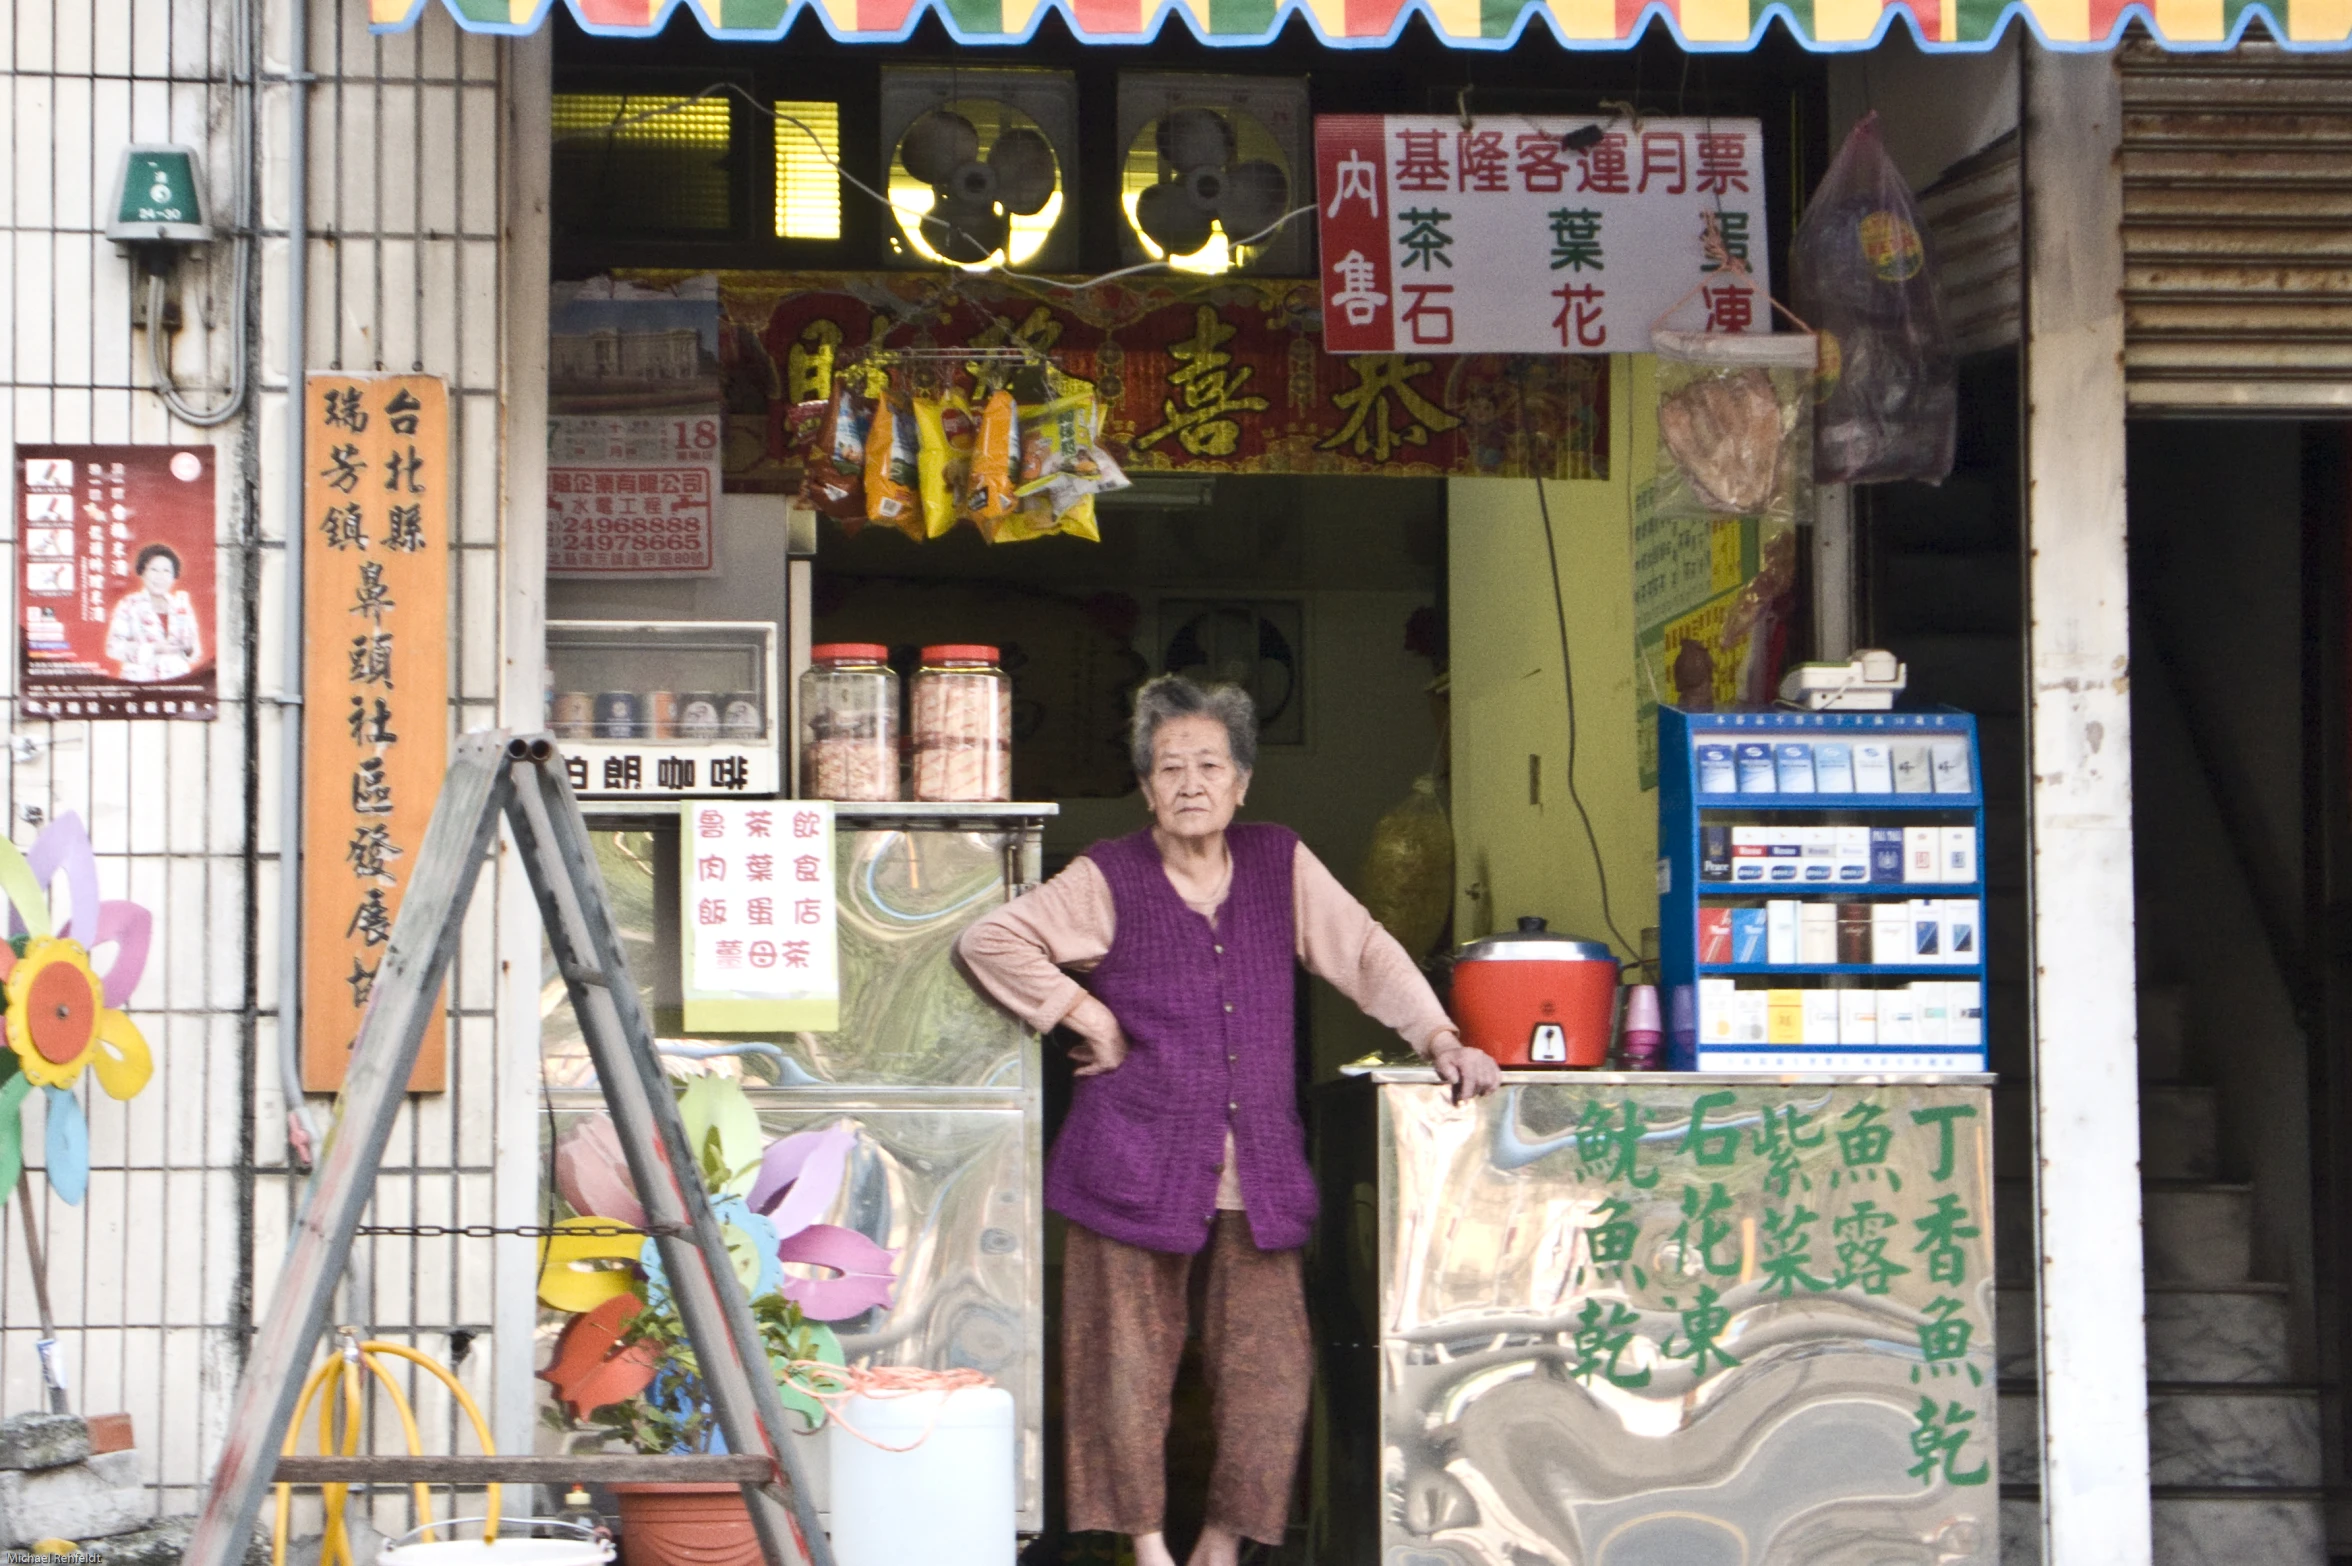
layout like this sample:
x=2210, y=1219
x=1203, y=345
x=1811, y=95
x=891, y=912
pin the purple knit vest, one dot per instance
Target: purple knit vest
x=1209, y=1016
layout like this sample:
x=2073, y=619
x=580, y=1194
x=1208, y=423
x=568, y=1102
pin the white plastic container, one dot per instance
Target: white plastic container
x=582, y=1550
x=948, y=1502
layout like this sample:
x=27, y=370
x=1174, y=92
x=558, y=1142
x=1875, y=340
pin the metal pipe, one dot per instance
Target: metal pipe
x=300, y=1132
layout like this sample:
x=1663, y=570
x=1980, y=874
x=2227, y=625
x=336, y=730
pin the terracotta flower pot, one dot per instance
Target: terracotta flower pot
x=685, y=1525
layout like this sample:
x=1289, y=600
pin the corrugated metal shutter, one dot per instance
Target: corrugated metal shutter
x=1973, y=218
x=2237, y=234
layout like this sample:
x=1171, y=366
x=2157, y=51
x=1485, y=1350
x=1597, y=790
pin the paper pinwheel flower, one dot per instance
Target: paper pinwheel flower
x=62, y=1014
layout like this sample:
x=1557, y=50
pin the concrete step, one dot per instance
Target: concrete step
x=2209, y=1437
x=2209, y=1336
x=1981, y=592
x=2198, y=1232
x=2179, y=1136
x=2198, y=1528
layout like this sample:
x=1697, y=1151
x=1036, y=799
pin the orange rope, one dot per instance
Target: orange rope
x=834, y=1385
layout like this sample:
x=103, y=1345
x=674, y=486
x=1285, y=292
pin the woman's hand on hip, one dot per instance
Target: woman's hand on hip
x=1104, y=1044
x=1471, y=1072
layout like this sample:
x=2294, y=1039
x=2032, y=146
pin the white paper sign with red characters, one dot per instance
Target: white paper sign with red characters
x=760, y=915
x=1534, y=234
x=633, y=494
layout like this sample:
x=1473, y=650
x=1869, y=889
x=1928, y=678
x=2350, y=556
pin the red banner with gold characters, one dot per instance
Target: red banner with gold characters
x=375, y=615
x=1223, y=375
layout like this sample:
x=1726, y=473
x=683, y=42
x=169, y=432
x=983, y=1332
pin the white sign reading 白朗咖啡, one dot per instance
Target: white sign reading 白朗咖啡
x=761, y=917
x=1530, y=234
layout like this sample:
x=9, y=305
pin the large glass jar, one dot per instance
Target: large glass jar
x=849, y=723
x=963, y=725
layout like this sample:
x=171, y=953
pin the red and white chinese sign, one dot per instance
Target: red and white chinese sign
x=633, y=494
x=761, y=918
x=1530, y=235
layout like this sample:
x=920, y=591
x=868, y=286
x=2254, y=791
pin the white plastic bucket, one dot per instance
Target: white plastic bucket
x=587, y=1550
x=948, y=1502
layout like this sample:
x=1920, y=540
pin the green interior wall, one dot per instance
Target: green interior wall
x=1519, y=851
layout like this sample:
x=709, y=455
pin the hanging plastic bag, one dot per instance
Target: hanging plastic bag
x=1889, y=390
x=1735, y=432
x=988, y=491
x=835, y=484
x=893, y=468
x=1408, y=875
x=944, y=432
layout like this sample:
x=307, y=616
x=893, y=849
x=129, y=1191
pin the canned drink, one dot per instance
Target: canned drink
x=661, y=714
x=620, y=715
x=572, y=715
x=698, y=716
x=740, y=718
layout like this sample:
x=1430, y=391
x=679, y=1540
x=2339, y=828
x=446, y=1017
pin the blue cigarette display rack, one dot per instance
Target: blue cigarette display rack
x=1758, y=816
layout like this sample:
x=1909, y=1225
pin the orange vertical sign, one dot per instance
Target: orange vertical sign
x=375, y=614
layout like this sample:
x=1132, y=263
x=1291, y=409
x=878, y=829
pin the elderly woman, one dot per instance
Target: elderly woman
x=1183, y=1137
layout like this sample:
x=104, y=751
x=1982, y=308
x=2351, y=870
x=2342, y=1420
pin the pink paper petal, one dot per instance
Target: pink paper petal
x=592, y=1174
x=800, y=1176
x=130, y=927
x=64, y=847
x=866, y=1272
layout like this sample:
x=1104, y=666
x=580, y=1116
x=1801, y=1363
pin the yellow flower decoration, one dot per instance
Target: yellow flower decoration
x=58, y=1022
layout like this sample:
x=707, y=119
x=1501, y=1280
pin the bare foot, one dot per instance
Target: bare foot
x=1217, y=1547
x=1151, y=1549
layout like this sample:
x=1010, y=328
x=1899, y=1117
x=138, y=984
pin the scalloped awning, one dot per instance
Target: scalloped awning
x=1721, y=25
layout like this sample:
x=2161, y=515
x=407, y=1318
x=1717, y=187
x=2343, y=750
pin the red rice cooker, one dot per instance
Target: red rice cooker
x=1536, y=998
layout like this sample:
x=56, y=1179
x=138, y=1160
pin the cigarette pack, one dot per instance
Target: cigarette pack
x=1898, y=1017
x=1714, y=853
x=1874, y=771
x=1753, y=759
x=1911, y=776
x=1717, y=774
x=1817, y=933
x=1751, y=1016
x=1817, y=854
x=1923, y=850
x=1957, y=918
x=1747, y=935
x=1714, y=935
x=1780, y=931
x=1927, y=931
x=1886, y=855
x=1715, y=1000
x=1820, y=1016
x=1857, y=1016
x=1853, y=854
x=1784, y=1016
x=1964, y=1013
x=1890, y=933
x=1947, y=761
x=1928, y=1000
x=1793, y=766
x=1959, y=856
x=1748, y=858
x=1853, y=933
x=1833, y=767
x=1784, y=849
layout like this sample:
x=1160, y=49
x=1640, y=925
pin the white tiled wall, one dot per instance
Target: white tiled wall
x=156, y=1278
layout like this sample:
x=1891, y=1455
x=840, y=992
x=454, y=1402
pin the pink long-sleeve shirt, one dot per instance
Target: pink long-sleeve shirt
x=1024, y=953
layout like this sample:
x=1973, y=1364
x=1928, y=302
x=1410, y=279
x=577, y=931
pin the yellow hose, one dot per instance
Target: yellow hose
x=342, y=1394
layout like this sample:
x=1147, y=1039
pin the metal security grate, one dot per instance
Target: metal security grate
x=808, y=178
x=636, y=163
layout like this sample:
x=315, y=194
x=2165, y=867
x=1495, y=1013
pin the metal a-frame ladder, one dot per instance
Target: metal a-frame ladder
x=521, y=779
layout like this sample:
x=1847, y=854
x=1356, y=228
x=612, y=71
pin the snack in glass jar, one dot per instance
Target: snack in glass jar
x=849, y=727
x=962, y=718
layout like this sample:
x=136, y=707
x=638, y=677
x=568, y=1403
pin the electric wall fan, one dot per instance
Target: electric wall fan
x=1211, y=162
x=978, y=165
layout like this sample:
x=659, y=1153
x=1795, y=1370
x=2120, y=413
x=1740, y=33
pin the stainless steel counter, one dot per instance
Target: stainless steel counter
x=1612, y=1319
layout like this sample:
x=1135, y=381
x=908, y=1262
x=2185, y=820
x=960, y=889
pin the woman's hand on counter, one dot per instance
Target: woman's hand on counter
x=1104, y=1044
x=1472, y=1072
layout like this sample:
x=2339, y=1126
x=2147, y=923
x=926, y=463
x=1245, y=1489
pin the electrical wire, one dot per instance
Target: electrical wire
x=779, y=117
x=242, y=70
x=1568, y=678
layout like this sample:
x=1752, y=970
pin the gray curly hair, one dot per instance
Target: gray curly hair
x=1173, y=696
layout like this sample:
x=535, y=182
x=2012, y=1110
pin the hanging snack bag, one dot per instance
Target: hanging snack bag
x=988, y=492
x=1889, y=389
x=944, y=437
x=1063, y=468
x=1735, y=430
x=835, y=484
x=892, y=468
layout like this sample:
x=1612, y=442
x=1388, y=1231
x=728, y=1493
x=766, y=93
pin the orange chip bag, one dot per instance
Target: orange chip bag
x=944, y=437
x=893, y=468
x=988, y=495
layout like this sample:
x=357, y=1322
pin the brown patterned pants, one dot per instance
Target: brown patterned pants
x=1123, y=1326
